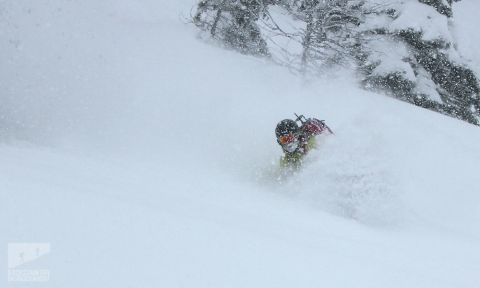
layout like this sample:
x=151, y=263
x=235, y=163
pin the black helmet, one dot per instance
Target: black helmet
x=286, y=126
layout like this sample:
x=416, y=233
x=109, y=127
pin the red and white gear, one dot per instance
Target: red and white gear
x=313, y=127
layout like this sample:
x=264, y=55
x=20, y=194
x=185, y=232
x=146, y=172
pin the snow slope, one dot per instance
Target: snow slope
x=146, y=158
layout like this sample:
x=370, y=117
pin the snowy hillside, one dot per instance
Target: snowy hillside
x=146, y=157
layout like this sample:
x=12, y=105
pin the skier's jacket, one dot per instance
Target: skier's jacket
x=311, y=128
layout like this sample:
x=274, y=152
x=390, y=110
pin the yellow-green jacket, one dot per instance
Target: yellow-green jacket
x=295, y=158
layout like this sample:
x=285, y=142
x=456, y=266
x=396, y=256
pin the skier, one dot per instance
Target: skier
x=296, y=141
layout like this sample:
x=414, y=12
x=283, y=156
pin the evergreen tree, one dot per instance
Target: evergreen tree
x=424, y=74
x=234, y=23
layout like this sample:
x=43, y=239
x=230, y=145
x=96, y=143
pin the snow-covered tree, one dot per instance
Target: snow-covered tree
x=402, y=47
x=234, y=23
x=329, y=31
x=408, y=50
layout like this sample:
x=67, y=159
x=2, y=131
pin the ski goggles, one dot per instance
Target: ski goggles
x=285, y=139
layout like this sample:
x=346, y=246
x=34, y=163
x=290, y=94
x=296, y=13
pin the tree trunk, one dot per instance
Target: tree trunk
x=217, y=18
x=307, y=39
